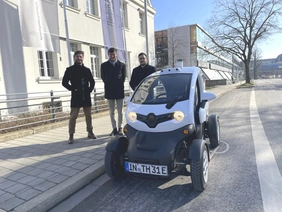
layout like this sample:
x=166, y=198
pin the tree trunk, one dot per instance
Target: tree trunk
x=247, y=73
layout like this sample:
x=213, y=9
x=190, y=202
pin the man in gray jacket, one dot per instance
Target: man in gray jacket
x=113, y=73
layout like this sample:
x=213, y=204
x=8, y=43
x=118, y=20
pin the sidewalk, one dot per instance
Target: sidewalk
x=40, y=170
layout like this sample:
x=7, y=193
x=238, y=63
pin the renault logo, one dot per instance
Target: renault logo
x=151, y=117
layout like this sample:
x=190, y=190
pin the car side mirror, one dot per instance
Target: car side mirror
x=208, y=96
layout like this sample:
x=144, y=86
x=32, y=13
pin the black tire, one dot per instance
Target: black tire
x=200, y=171
x=112, y=165
x=214, y=130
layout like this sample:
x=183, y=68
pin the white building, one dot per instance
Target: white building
x=26, y=69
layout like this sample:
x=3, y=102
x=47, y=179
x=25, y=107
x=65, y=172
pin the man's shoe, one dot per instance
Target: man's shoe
x=120, y=131
x=114, y=132
x=91, y=135
x=70, y=141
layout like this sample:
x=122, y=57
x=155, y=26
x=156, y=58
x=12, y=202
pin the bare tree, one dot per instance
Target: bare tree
x=176, y=45
x=237, y=25
x=256, y=56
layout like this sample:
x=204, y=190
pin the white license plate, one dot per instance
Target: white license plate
x=146, y=168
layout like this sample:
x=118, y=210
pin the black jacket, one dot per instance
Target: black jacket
x=113, y=78
x=79, y=80
x=139, y=73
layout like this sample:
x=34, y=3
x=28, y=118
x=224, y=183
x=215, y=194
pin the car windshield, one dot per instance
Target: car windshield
x=163, y=89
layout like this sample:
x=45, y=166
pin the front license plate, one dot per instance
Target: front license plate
x=146, y=168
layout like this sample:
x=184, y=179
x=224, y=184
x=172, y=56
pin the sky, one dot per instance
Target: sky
x=172, y=13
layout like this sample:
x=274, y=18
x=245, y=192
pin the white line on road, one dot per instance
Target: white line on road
x=269, y=176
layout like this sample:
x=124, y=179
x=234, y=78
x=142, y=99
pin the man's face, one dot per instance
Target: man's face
x=142, y=60
x=78, y=58
x=112, y=56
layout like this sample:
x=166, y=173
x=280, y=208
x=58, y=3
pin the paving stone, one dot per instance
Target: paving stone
x=44, y=186
x=15, y=188
x=28, y=193
x=5, y=171
x=26, y=179
x=5, y=197
x=52, y=167
x=59, y=161
x=42, y=165
x=15, y=176
x=58, y=178
x=26, y=170
x=35, y=172
x=36, y=182
x=6, y=184
x=69, y=163
x=80, y=166
x=11, y=203
x=45, y=174
x=70, y=172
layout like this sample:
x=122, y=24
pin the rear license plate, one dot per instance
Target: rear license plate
x=146, y=169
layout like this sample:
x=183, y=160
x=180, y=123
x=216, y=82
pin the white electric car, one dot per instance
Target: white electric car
x=168, y=123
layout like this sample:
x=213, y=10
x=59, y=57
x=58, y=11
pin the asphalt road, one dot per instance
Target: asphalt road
x=244, y=174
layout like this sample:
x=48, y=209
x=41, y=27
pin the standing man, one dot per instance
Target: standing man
x=79, y=80
x=142, y=71
x=113, y=73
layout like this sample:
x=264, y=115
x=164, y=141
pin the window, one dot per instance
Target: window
x=70, y=3
x=74, y=48
x=91, y=7
x=46, y=64
x=124, y=15
x=141, y=20
x=94, y=59
x=160, y=90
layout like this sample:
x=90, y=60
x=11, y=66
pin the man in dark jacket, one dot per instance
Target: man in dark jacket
x=142, y=71
x=113, y=73
x=79, y=80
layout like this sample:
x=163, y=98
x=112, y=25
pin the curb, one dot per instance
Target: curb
x=55, y=195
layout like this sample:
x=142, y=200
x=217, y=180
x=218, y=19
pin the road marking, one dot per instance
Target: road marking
x=269, y=176
x=225, y=150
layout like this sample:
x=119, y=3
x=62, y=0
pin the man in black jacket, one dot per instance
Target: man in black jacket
x=142, y=71
x=79, y=80
x=113, y=73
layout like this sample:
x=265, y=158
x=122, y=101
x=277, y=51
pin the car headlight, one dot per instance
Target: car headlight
x=178, y=116
x=132, y=116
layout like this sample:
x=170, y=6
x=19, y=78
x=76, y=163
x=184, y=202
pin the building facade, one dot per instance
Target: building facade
x=27, y=69
x=192, y=44
x=266, y=68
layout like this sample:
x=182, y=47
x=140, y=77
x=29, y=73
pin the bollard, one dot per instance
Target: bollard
x=52, y=106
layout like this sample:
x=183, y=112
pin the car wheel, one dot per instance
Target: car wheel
x=112, y=165
x=200, y=171
x=214, y=130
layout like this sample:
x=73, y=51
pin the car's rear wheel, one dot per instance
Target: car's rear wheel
x=112, y=165
x=214, y=130
x=200, y=171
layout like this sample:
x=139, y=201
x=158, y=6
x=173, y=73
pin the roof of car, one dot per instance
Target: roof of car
x=190, y=70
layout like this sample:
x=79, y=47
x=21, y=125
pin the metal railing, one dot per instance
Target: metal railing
x=25, y=110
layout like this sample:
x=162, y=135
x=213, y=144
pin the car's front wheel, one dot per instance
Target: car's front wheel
x=112, y=165
x=200, y=171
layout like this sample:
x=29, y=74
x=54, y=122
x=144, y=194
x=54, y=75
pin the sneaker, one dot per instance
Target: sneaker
x=120, y=131
x=91, y=135
x=70, y=141
x=114, y=132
